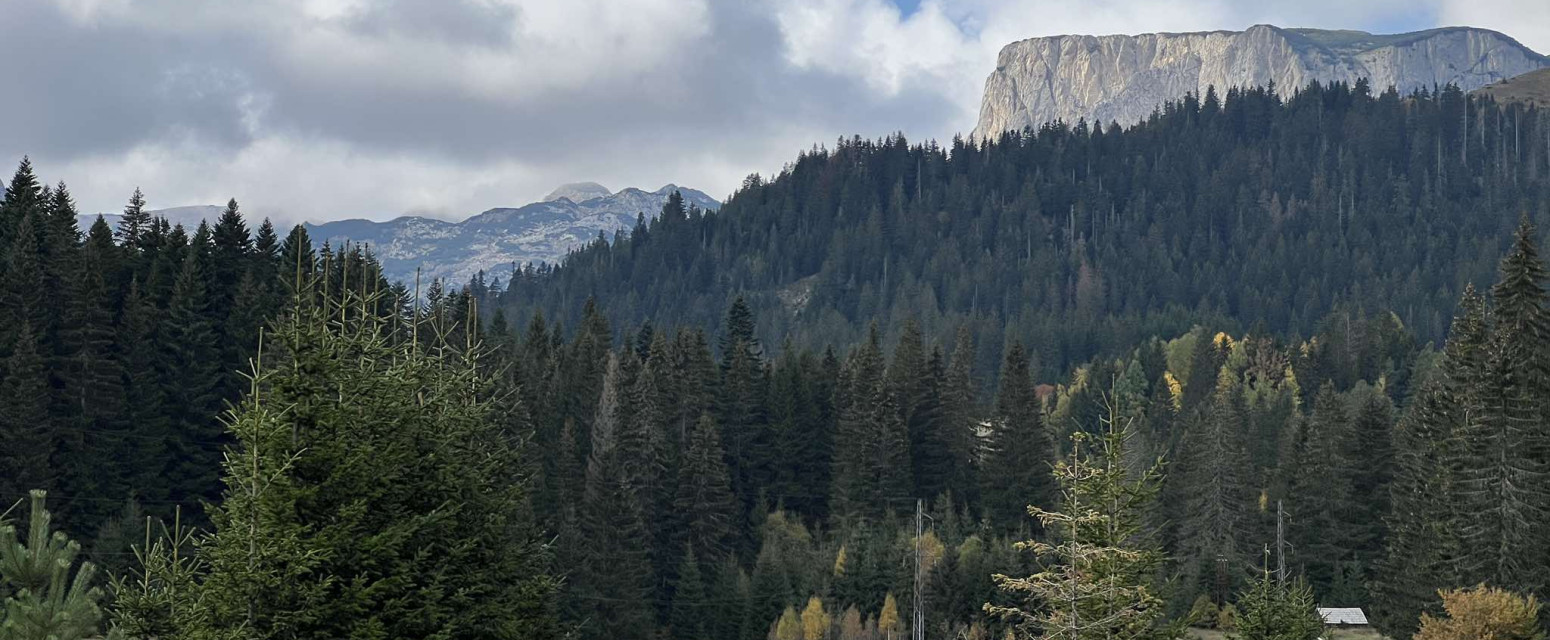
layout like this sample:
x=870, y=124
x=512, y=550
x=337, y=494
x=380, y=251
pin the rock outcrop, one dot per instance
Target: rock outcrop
x=1124, y=78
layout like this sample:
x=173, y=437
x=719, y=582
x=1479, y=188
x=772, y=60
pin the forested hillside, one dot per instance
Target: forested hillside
x=720, y=426
x=1238, y=211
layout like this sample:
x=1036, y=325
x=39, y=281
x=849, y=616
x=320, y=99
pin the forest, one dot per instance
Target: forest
x=1319, y=321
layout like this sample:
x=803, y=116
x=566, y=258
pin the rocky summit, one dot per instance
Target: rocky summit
x=1123, y=78
x=499, y=239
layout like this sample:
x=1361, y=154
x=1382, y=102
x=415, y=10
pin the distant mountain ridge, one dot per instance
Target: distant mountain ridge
x=492, y=241
x=1124, y=78
x=498, y=239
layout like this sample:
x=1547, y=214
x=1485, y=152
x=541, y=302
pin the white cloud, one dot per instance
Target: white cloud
x=314, y=109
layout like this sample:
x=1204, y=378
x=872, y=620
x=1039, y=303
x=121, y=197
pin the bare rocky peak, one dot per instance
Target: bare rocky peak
x=1124, y=78
x=578, y=192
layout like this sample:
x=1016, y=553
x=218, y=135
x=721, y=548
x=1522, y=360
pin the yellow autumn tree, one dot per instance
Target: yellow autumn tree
x=888, y=625
x=815, y=621
x=1483, y=613
x=788, y=627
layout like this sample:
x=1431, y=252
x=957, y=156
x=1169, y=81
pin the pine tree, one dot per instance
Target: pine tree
x=46, y=595
x=1020, y=449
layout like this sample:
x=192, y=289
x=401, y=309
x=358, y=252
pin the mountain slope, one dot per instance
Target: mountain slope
x=1256, y=214
x=497, y=239
x=1529, y=88
x=1124, y=78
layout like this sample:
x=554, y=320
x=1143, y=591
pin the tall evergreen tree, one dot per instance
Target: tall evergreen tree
x=1020, y=449
x=1217, y=497
x=28, y=430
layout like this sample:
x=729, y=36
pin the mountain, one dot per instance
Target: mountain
x=1530, y=88
x=1252, y=213
x=497, y=239
x=1125, y=78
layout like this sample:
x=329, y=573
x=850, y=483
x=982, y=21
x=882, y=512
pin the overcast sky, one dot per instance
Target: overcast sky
x=326, y=109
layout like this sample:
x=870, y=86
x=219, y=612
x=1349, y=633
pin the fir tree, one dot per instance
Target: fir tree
x=136, y=223
x=1101, y=566
x=704, y=499
x=1217, y=497
x=25, y=424
x=1270, y=610
x=1020, y=449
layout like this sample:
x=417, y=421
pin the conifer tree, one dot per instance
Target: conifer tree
x=46, y=595
x=617, y=570
x=191, y=368
x=147, y=417
x=1101, y=564
x=1505, y=480
x=1270, y=610
x=369, y=492
x=703, y=500
x=1217, y=498
x=1322, y=530
x=871, y=449
x=1020, y=449
x=136, y=223
x=741, y=410
x=959, y=427
x=1424, y=529
x=25, y=425
x=688, y=619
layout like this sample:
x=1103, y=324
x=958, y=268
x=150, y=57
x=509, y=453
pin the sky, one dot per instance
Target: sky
x=328, y=109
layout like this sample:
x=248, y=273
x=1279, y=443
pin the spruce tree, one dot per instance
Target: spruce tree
x=1505, y=480
x=1323, y=530
x=370, y=491
x=959, y=425
x=1020, y=449
x=689, y=618
x=616, y=574
x=1217, y=497
x=136, y=223
x=1424, y=524
x=871, y=449
x=1101, y=563
x=1270, y=610
x=26, y=427
x=703, y=502
x=190, y=367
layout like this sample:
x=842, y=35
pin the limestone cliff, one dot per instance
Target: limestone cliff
x=1123, y=78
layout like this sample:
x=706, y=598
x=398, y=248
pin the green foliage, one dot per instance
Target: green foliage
x=1101, y=565
x=45, y=593
x=1269, y=610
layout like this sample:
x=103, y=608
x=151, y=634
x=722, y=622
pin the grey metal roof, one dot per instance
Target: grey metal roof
x=1350, y=616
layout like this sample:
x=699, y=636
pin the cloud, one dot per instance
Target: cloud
x=322, y=109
